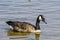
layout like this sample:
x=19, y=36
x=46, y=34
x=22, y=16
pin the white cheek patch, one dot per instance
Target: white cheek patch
x=40, y=18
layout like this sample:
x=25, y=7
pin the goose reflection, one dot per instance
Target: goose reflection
x=37, y=36
x=22, y=36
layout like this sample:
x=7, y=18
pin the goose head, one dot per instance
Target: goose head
x=39, y=18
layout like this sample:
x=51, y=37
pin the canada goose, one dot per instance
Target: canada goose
x=25, y=26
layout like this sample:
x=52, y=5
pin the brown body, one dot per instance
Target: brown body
x=21, y=26
x=25, y=26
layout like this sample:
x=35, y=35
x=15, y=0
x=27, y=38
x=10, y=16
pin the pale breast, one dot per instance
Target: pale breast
x=28, y=27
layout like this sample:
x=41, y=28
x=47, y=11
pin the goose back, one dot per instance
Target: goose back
x=21, y=26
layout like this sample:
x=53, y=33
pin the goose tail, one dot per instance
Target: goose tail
x=9, y=22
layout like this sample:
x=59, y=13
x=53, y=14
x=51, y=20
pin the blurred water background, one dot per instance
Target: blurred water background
x=28, y=10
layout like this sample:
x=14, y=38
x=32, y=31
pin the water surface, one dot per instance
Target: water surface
x=25, y=10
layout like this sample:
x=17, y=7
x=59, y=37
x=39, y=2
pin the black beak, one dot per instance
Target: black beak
x=44, y=21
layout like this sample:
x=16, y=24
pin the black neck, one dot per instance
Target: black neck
x=37, y=24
